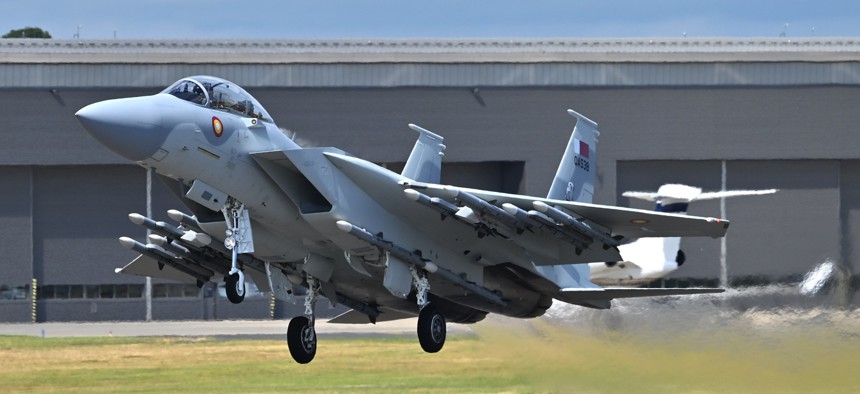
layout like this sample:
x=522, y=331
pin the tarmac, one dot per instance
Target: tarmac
x=223, y=329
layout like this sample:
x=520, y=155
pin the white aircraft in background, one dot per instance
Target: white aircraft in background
x=648, y=259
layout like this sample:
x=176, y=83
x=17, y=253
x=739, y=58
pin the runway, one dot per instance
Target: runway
x=226, y=329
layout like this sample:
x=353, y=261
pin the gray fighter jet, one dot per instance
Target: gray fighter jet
x=310, y=222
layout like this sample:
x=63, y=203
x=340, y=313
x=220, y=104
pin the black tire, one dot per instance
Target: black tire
x=231, y=284
x=302, y=340
x=680, y=258
x=431, y=329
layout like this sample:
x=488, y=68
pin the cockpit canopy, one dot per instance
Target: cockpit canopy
x=219, y=94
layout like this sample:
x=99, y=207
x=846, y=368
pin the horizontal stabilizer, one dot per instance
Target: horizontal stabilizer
x=147, y=266
x=356, y=317
x=612, y=293
x=600, y=298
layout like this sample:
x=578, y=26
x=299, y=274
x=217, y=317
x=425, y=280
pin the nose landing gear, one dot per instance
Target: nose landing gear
x=239, y=240
x=234, y=284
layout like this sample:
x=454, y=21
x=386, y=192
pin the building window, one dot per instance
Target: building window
x=106, y=291
x=135, y=291
x=76, y=292
x=46, y=293
x=14, y=293
x=120, y=291
x=61, y=292
x=90, y=292
x=175, y=290
x=93, y=291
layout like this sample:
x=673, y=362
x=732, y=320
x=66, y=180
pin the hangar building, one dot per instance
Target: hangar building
x=715, y=113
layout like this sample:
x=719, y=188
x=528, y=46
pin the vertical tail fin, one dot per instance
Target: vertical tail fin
x=425, y=161
x=574, y=180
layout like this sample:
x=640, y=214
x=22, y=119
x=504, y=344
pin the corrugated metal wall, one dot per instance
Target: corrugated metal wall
x=436, y=75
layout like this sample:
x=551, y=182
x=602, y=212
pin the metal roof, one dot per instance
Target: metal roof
x=34, y=63
x=430, y=51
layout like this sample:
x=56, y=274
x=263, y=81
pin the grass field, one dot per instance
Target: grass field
x=532, y=356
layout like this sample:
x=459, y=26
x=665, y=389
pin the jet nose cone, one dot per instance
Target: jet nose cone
x=131, y=127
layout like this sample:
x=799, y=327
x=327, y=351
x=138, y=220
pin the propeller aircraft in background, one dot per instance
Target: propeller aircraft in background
x=648, y=259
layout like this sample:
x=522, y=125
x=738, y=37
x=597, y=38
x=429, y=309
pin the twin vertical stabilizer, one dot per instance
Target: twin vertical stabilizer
x=425, y=161
x=574, y=180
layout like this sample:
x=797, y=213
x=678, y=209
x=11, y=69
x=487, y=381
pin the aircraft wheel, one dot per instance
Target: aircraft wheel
x=431, y=329
x=680, y=258
x=302, y=340
x=235, y=290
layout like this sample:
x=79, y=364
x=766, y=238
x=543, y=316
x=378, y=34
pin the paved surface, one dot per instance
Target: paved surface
x=225, y=328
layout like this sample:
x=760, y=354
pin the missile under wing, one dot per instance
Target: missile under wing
x=306, y=223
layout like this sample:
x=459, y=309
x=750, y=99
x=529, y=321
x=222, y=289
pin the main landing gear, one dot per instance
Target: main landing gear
x=301, y=336
x=432, y=329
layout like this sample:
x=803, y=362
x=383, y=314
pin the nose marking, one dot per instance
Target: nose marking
x=217, y=126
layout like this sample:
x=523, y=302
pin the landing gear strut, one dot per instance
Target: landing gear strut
x=431, y=324
x=239, y=240
x=301, y=335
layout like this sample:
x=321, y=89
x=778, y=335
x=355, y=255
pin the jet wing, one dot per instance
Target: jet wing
x=526, y=248
x=628, y=222
x=548, y=241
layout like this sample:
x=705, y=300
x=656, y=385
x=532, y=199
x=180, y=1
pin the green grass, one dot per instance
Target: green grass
x=530, y=357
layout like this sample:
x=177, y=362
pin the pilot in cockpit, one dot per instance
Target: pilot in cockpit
x=189, y=91
x=218, y=94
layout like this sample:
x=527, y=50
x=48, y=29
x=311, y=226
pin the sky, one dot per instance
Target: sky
x=404, y=19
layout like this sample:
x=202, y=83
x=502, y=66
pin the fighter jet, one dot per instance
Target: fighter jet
x=648, y=259
x=311, y=222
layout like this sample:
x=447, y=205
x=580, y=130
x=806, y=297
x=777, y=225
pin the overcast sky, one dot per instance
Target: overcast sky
x=290, y=19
